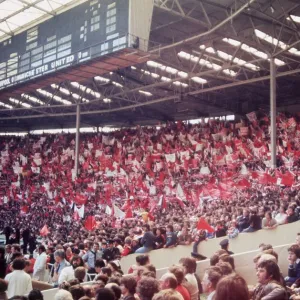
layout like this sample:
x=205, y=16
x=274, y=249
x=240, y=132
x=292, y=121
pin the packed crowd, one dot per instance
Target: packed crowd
x=133, y=185
x=179, y=282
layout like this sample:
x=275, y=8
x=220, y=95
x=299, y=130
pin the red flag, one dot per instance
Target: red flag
x=44, y=231
x=129, y=213
x=202, y=224
x=90, y=223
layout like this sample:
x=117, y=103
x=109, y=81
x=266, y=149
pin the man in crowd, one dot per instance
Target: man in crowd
x=209, y=282
x=39, y=269
x=91, y=256
x=294, y=264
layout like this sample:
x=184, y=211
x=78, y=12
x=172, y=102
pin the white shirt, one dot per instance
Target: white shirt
x=66, y=274
x=192, y=286
x=280, y=218
x=39, y=268
x=19, y=283
x=211, y=295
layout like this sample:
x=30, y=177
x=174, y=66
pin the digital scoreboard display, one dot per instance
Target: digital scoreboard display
x=89, y=30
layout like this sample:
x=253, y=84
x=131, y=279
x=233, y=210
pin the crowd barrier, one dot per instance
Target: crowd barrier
x=284, y=234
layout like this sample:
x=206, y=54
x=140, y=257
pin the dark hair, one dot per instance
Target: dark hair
x=18, y=298
x=214, y=260
x=225, y=267
x=189, y=263
x=2, y=252
x=99, y=263
x=147, y=227
x=272, y=269
x=142, y=259
x=35, y=295
x=229, y=259
x=102, y=277
x=147, y=287
x=213, y=276
x=178, y=272
x=73, y=282
x=151, y=268
x=42, y=248
x=18, y=264
x=117, y=291
x=3, y=285
x=77, y=291
x=80, y=273
x=105, y=294
x=107, y=271
x=77, y=257
x=16, y=255
x=232, y=287
x=130, y=284
x=295, y=249
x=170, y=227
x=17, y=247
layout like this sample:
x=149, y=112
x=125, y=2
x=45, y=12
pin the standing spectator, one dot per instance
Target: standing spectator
x=35, y=295
x=68, y=273
x=39, y=269
x=225, y=245
x=25, y=236
x=91, y=256
x=60, y=264
x=209, y=282
x=269, y=287
x=8, y=254
x=7, y=232
x=19, y=283
x=294, y=264
x=147, y=241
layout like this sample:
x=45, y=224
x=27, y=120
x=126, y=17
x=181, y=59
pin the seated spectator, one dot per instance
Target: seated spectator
x=268, y=222
x=255, y=223
x=294, y=264
x=269, y=287
x=281, y=217
x=128, y=287
x=220, y=229
x=160, y=239
x=209, y=282
x=232, y=287
x=184, y=237
x=146, y=288
x=233, y=230
x=244, y=221
x=127, y=247
x=291, y=215
x=148, y=240
x=171, y=237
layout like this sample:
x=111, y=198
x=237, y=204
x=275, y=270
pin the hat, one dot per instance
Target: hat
x=224, y=243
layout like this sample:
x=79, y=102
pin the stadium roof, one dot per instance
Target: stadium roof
x=19, y=15
x=212, y=59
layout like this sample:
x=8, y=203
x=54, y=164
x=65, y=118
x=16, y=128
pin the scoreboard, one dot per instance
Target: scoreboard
x=89, y=30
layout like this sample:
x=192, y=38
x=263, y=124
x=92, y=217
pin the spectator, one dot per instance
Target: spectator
x=3, y=289
x=91, y=256
x=291, y=215
x=269, y=287
x=2, y=263
x=167, y=294
x=60, y=264
x=146, y=288
x=35, y=295
x=281, y=217
x=39, y=269
x=244, y=220
x=233, y=230
x=19, y=283
x=77, y=291
x=209, y=282
x=171, y=238
x=179, y=274
x=80, y=274
x=105, y=294
x=128, y=287
x=232, y=287
x=68, y=273
x=147, y=241
x=64, y=295
x=268, y=222
x=294, y=264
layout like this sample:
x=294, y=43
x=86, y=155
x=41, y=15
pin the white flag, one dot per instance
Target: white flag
x=180, y=193
x=108, y=210
x=118, y=212
x=80, y=211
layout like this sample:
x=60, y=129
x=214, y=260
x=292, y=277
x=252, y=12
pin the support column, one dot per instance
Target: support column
x=273, y=111
x=77, y=139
